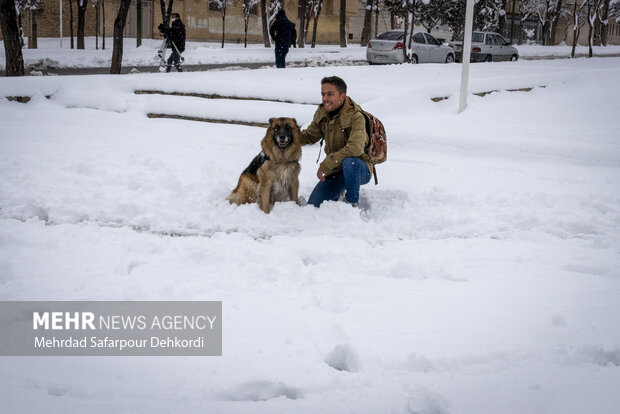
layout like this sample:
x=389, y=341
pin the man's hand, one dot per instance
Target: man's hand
x=320, y=175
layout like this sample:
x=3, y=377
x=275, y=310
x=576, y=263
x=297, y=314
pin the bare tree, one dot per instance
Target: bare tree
x=593, y=10
x=302, y=12
x=271, y=8
x=248, y=6
x=405, y=10
x=603, y=22
x=317, y=12
x=34, y=8
x=548, y=13
x=557, y=13
x=579, y=19
x=71, y=22
x=103, y=13
x=81, y=22
x=14, y=60
x=343, y=22
x=97, y=3
x=367, y=22
x=263, y=19
x=117, y=46
x=377, y=11
x=221, y=5
x=309, y=12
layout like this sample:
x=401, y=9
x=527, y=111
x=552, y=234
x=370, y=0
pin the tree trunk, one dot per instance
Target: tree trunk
x=246, y=22
x=138, y=22
x=513, y=22
x=590, y=29
x=411, y=23
x=376, y=32
x=32, y=39
x=575, y=29
x=10, y=34
x=223, y=23
x=20, y=27
x=103, y=16
x=81, y=23
x=604, y=22
x=307, y=22
x=343, y=22
x=263, y=19
x=301, y=11
x=502, y=20
x=71, y=22
x=316, y=22
x=367, y=23
x=406, y=29
x=554, y=23
x=97, y=26
x=117, y=47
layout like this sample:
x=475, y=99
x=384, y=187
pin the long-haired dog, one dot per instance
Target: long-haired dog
x=273, y=175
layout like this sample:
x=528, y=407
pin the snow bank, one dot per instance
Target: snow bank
x=49, y=55
x=479, y=276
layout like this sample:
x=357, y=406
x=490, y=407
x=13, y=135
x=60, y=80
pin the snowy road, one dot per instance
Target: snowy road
x=481, y=275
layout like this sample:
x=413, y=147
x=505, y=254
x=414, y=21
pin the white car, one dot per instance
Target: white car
x=486, y=47
x=388, y=48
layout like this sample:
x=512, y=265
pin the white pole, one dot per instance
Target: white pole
x=466, y=55
x=60, y=23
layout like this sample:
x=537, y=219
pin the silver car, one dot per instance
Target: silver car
x=486, y=47
x=388, y=48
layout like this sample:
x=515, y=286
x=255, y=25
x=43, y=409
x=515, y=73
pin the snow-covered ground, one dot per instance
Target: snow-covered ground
x=50, y=55
x=480, y=276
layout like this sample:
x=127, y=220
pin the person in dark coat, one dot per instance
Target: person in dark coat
x=175, y=34
x=282, y=32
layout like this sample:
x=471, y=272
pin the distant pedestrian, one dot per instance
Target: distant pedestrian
x=176, y=40
x=282, y=32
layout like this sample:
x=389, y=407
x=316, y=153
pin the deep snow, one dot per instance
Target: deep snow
x=481, y=275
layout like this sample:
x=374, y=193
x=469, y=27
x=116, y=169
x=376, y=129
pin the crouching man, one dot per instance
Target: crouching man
x=340, y=123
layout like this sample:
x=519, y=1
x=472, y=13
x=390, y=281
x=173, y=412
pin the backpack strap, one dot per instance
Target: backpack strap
x=321, y=124
x=320, y=147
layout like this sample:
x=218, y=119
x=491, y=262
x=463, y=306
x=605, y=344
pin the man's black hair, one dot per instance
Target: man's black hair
x=177, y=15
x=281, y=13
x=340, y=84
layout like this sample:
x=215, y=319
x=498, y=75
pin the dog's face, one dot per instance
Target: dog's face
x=283, y=131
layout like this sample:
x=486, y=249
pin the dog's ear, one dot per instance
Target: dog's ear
x=271, y=121
x=295, y=122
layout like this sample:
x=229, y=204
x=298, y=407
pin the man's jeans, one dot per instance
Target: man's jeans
x=174, y=58
x=354, y=173
x=281, y=52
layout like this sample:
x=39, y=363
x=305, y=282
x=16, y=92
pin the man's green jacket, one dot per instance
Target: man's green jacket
x=338, y=144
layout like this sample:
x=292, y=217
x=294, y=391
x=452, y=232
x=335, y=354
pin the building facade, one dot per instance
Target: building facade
x=203, y=20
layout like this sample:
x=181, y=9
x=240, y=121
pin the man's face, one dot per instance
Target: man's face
x=332, y=99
